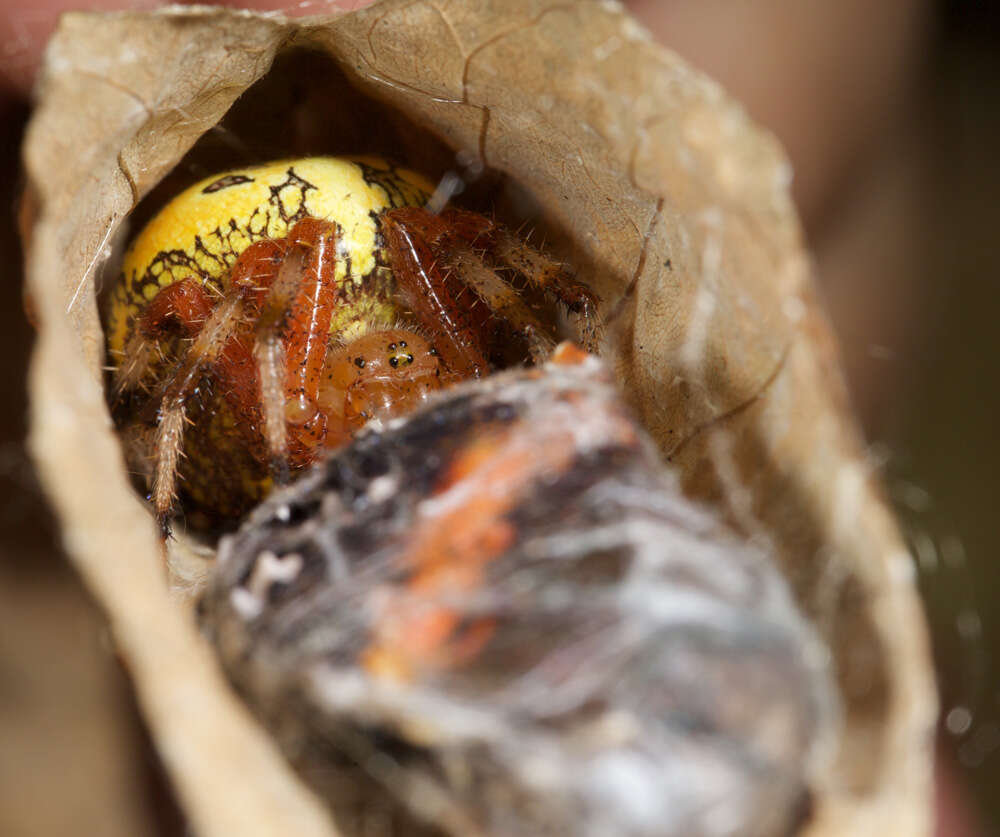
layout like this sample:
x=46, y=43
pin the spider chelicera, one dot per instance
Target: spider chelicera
x=267, y=314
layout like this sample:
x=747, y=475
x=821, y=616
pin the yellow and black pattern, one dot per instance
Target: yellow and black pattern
x=203, y=230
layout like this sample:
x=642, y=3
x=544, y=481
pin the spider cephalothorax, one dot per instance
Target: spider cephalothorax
x=267, y=314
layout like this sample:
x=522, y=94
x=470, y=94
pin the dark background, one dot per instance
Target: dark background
x=907, y=251
x=943, y=434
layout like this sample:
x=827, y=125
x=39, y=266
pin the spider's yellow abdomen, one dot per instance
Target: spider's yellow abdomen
x=203, y=230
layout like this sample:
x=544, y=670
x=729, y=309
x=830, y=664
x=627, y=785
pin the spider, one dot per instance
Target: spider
x=267, y=314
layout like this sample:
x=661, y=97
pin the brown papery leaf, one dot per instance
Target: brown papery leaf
x=642, y=175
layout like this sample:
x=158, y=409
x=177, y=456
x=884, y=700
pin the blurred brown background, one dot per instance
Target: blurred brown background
x=891, y=115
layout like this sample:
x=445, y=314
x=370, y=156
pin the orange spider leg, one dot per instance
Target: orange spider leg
x=184, y=306
x=293, y=335
x=187, y=306
x=269, y=273
x=237, y=367
x=503, y=300
x=254, y=271
x=427, y=290
x=213, y=336
x=457, y=233
x=279, y=300
x=461, y=227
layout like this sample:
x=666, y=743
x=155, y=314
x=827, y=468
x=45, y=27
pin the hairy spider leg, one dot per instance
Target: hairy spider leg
x=261, y=272
x=188, y=307
x=458, y=237
x=307, y=335
x=290, y=337
x=215, y=343
x=460, y=227
x=184, y=306
x=503, y=300
x=555, y=281
x=424, y=285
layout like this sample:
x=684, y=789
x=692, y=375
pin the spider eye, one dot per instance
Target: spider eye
x=359, y=362
x=400, y=359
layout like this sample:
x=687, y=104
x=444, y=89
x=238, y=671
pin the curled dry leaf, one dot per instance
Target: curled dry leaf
x=641, y=174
